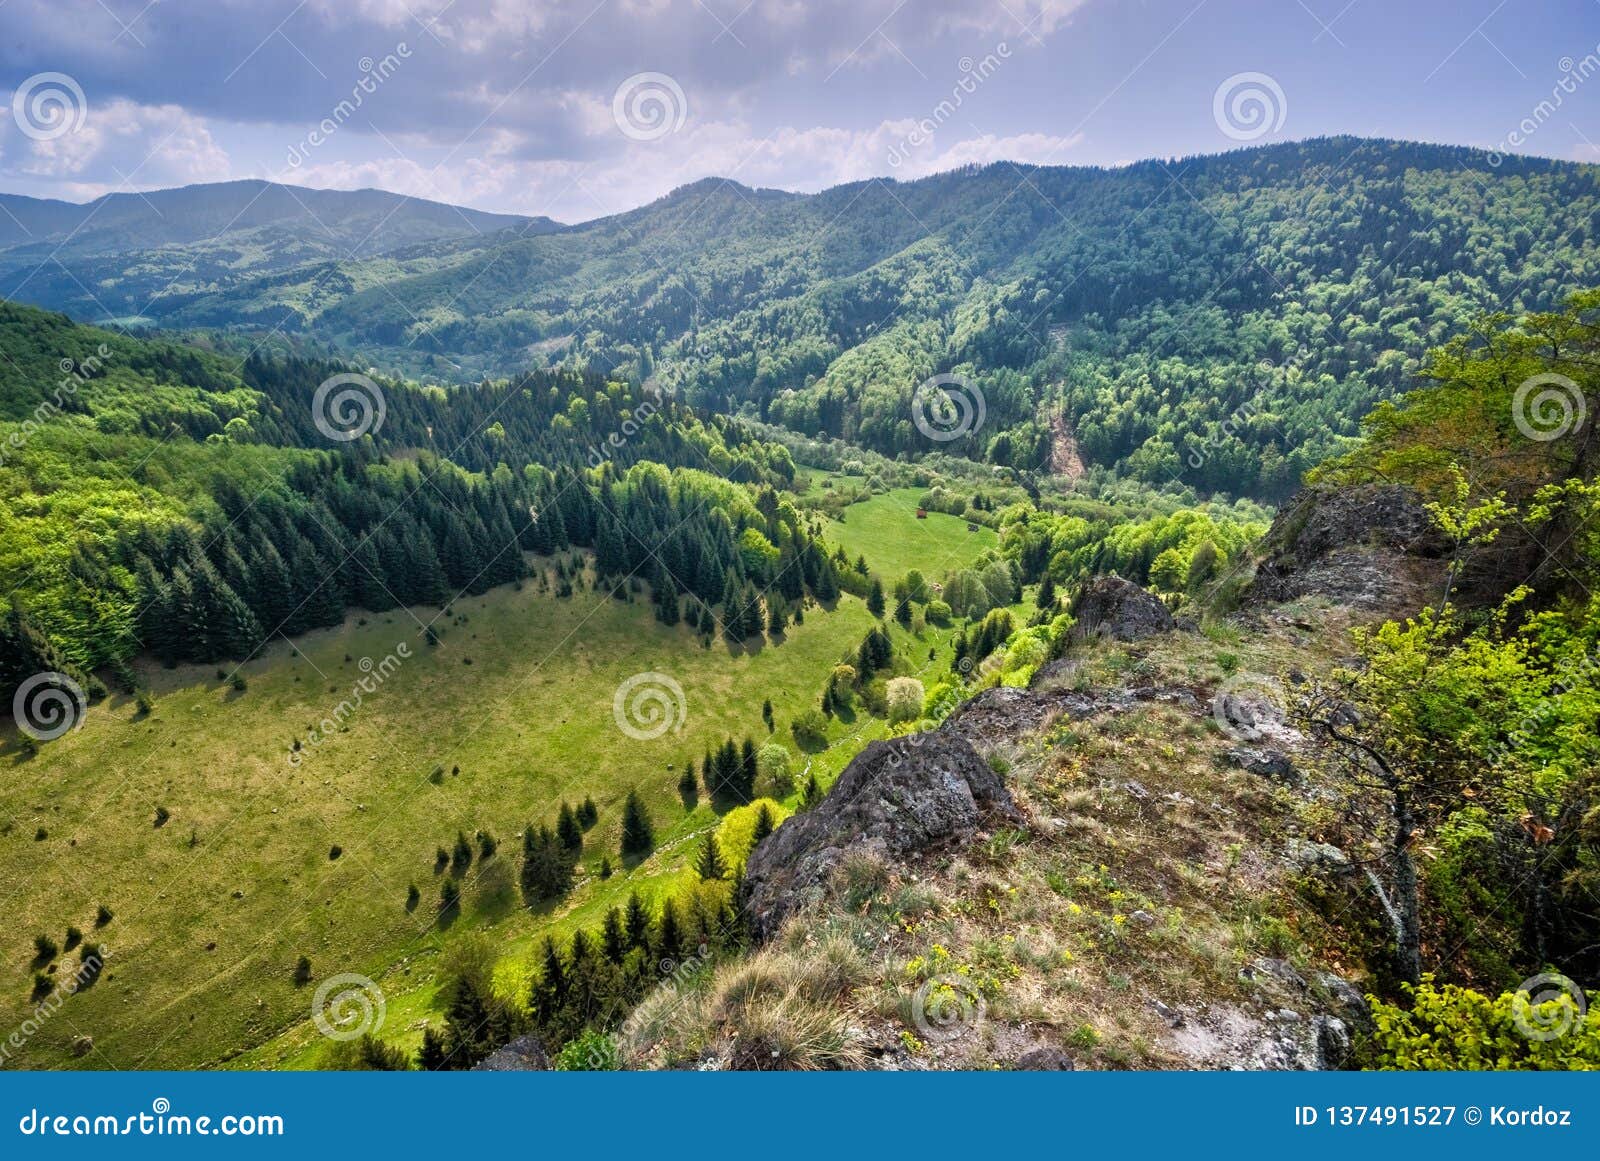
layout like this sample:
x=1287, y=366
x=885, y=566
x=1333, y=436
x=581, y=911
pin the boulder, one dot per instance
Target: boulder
x=896, y=799
x=1371, y=547
x=1046, y=1059
x=1108, y=606
x=524, y=1054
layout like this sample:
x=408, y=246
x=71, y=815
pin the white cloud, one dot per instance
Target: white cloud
x=120, y=145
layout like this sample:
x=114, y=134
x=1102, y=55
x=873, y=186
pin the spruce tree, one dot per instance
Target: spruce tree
x=613, y=937
x=688, y=787
x=636, y=921
x=568, y=830
x=764, y=825
x=875, y=604
x=708, y=864
x=638, y=836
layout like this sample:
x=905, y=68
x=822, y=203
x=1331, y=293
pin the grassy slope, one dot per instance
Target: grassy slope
x=886, y=531
x=529, y=722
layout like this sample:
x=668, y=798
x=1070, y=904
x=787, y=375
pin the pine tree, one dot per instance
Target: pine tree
x=638, y=836
x=636, y=921
x=669, y=933
x=1046, y=598
x=764, y=825
x=708, y=864
x=688, y=787
x=613, y=937
x=766, y=714
x=875, y=604
x=812, y=794
x=568, y=830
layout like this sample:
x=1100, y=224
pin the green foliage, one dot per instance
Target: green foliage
x=1451, y=1028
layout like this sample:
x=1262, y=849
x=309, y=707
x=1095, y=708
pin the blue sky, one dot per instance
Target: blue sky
x=578, y=108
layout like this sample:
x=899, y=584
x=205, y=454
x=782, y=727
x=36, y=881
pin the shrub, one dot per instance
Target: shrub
x=904, y=699
x=302, y=970
x=590, y=1051
x=45, y=947
x=1451, y=1028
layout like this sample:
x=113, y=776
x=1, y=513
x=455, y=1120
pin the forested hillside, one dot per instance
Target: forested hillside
x=157, y=500
x=1220, y=321
x=138, y=255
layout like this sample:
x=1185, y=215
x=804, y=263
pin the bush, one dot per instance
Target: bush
x=589, y=1051
x=903, y=699
x=1452, y=1028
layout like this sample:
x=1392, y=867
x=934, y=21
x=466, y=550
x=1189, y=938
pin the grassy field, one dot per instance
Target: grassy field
x=214, y=906
x=885, y=530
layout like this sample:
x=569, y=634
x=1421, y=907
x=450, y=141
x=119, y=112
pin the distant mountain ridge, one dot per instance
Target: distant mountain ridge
x=112, y=256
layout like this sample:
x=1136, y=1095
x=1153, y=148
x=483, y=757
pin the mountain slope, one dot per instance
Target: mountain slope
x=1220, y=322
x=131, y=253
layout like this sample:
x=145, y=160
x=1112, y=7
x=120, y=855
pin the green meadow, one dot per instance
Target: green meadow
x=224, y=860
x=885, y=530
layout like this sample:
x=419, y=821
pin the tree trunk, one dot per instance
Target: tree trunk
x=1408, y=909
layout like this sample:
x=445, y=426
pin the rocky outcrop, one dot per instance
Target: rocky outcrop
x=524, y=1054
x=1370, y=547
x=1108, y=606
x=1287, y=1022
x=897, y=799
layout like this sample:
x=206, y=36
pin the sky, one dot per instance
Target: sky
x=582, y=108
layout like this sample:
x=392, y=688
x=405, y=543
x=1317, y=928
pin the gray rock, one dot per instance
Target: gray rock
x=1108, y=606
x=1268, y=762
x=1045, y=1059
x=1370, y=547
x=1171, y=1015
x=1333, y=1042
x=524, y=1054
x=896, y=799
x=1306, y=855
